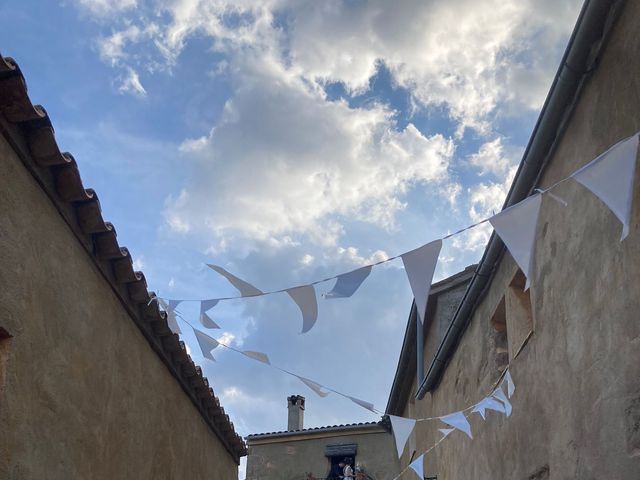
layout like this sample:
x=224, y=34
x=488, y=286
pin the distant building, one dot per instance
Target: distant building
x=572, y=341
x=93, y=383
x=299, y=453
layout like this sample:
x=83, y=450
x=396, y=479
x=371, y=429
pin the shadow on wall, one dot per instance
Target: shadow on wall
x=5, y=341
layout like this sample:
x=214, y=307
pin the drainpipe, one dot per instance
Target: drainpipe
x=419, y=348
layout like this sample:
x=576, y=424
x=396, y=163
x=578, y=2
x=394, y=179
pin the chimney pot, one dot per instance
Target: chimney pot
x=295, y=405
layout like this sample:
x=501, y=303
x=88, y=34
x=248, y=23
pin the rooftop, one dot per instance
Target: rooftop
x=29, y=131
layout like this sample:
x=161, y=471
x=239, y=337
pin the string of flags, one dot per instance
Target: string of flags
x=497, y=400
x=207, y=344
x=610, y=177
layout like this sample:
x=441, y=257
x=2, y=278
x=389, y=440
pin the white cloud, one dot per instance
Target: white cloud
x=131, y=84
x=101, y=8
x=283, y=160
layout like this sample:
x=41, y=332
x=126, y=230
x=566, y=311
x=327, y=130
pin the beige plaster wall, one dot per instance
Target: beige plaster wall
x=85, y=397
x=292, y=459
x=576, y=409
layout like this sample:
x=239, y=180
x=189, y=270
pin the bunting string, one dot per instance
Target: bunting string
x=207, y=344
x=609, y=176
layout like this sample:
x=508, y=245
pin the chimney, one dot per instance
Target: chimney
x=295, y=404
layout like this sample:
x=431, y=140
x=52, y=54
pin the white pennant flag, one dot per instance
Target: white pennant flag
x=459, y=421
x=511, y=387
x=499, y=394
x=316, y=387
x=169, y=308
x=610, y=177
x=206, y=344
x=445, y=431
x=420, y=264
x=488, y=403
x=259, y=356
x=362, y=403
x=418, y=466
x=205, y=319
x=245, y=288
x=516, y=226
x=305, y=298
x=402, y=428
x=347, y=283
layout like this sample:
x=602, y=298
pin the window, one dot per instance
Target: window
x=499, y=337
x=5, y=338
x=518, y=313
x=511, y=322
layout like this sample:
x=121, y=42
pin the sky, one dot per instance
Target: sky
x=289, y=141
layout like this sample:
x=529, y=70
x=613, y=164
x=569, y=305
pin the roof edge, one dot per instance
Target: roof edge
x=28, y=129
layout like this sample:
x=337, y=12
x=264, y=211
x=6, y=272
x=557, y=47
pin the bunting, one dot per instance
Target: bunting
x=259, y=356
x=207, y=343
x=316, y=387
x=402, y=428
x=305, y=298
x=488, y=403
x=418, y=466
x=499, y=394
x=610, y=177
x=245, y=288
x=459, y=422
x=347, y=283
x=420, y=265
x=516, y=226
x=205, y=320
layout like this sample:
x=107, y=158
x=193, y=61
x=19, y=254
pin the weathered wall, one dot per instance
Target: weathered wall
x=576, y=409
x=294, y=457
x=85, y=395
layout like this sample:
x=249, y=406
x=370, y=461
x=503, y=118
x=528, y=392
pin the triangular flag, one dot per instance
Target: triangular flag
x=418, y=466
x=305, y=298
x=205, y=319
x=459, y=421
x=316, y=387
x=347, y=283
x=516, y=226
x=610, y=177
x=420, y=265
x=206, y=343
x=172, y=321
x=511, y=387
x=402, y=428
x=173, y=304
x=245, y=289
x=499, y=394
x=259, y=356
x=488, y=403
x=362, y=403
x=445, y=431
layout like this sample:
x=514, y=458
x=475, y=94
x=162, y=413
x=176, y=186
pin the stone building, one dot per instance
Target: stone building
x=572, y=341
x=93, y=383
x=299, y=453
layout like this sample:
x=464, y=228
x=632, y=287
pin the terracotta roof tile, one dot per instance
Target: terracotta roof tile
x=28, y=128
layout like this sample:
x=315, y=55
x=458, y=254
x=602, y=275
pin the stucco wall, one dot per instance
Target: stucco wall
x=293, y=458
x=85, y=395
x=576, y=409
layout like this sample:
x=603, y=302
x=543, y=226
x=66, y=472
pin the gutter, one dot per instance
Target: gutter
x=579, y=60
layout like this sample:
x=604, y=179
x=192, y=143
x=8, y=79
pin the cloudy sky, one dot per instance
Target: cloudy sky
x=289, y=141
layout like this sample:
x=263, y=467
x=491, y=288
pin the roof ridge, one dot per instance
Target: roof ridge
x=28, y=129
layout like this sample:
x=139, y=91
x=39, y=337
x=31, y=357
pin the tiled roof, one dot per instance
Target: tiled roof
x=28, y=129
x=384, y=423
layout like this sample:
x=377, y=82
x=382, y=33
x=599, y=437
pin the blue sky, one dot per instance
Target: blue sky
x=289, y=141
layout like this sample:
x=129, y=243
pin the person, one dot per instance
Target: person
x=347, y=471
